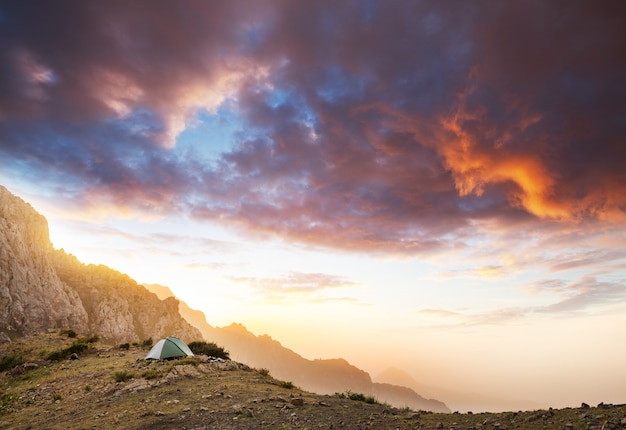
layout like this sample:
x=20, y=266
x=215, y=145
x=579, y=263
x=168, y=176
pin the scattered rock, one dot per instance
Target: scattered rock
x=297, y=401
x=74, y=356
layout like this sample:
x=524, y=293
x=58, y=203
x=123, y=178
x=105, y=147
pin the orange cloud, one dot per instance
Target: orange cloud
x=475, y=164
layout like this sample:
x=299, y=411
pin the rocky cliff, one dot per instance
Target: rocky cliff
x=117, y=307
x=32, y=297
x=42, y=288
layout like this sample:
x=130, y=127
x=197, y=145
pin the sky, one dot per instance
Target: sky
x=437, y=186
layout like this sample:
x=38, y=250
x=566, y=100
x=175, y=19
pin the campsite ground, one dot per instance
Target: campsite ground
x=112, y=388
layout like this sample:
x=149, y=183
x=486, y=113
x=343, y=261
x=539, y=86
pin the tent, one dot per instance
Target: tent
x=170, y=347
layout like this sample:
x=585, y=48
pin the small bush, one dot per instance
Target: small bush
x=264, y=372
x=57, y=355
x=357, y=397
x=125, y=346
x=210, y=349
x=57, y=396
x=87, y=388
x=123, y=376
x=69, y=333
x=75, y=348
x=147, y=342
x=286, y=384
x=10, y=361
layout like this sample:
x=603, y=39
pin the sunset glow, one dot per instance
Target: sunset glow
x=434, y=186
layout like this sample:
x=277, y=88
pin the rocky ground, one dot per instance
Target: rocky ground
x=108, y=387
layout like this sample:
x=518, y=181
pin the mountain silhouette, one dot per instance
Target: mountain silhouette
x=324, y=376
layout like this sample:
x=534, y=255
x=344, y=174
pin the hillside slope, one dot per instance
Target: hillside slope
x=107, y=388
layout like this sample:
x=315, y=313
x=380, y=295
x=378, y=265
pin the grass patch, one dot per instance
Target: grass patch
x=7, y=401
x=186, y=360
x=123, y=376
x=11, y=360
x=91, y=339
x=150, y=374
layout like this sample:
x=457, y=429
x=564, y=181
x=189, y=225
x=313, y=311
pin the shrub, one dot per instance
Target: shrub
x=286, y=384
x=57, y=396
x=125, y=346
x=10, y=361
x=147, y=342
x=75, y=348
x=264, y=372
x=357, y=397
x=210, y=349
x=69, y=333
x=123, y=376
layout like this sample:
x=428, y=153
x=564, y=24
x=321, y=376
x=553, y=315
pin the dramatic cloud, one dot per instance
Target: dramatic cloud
x=311, y=287
x=390, y=127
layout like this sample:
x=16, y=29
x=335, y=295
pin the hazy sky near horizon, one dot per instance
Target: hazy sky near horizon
x=440, y=182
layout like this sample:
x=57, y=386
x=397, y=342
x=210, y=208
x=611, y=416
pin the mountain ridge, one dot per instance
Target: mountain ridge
x=324, y=376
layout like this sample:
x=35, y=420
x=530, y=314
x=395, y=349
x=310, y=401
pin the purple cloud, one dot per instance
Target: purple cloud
x=375, y=126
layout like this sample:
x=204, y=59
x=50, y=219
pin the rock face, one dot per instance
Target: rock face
x=42, y=288
x=32, y=297
x=118, y=308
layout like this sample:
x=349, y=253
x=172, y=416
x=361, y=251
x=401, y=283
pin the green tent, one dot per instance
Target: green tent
x=170, y=347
